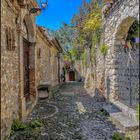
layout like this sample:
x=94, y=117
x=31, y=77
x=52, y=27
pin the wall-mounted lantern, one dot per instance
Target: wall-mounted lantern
x=36, y=9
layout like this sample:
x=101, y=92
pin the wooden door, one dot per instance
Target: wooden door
x=71, y=76
x=26, y=69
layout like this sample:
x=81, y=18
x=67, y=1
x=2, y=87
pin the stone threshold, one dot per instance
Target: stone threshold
x=120, y=119
x=126, y=110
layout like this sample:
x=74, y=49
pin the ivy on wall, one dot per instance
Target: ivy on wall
x=104, y=49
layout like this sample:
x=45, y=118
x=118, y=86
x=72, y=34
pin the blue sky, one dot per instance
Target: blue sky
x=58, y=11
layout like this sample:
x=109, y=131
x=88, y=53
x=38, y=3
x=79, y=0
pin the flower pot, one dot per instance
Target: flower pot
x=135, y=39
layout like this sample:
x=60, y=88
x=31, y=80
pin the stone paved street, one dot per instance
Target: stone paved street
x=71, y=115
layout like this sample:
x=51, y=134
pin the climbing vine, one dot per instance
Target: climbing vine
x=93, y=56
x=104, y=49
x=84, y=57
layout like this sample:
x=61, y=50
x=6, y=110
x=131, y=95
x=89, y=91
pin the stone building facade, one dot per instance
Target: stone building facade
x=22, y=67
x=49, y=59
x=15, y=21
x=43, y=57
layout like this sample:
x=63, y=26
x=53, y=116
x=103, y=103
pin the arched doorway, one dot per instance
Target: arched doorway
x=127, y=57
x=71, y=76
x=29, y=89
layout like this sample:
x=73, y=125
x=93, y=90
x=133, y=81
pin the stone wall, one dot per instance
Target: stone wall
x=117, y=24
x=113, y=75
x=13, y=103
x=19, y=26
x=43, y=59
x=9, y=71
x=49, y=59
x=54, y=66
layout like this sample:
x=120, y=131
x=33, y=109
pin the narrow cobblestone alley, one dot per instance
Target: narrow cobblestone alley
x=70, y=70
x=71, y=115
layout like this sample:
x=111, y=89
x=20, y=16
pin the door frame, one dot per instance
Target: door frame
x=73, y=78
x=26, y=95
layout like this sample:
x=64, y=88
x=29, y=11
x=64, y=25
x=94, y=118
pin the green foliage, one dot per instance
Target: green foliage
x=87, y=23
x=138, y=112
x=18, y=125
x=36, y=124
x=75, y=52
x=118, y=136
x=103, y=49
x=104, y=113
x=66, y=58
x=93, y=55
x=84, y=57
x=96, y=37
x=94, y=20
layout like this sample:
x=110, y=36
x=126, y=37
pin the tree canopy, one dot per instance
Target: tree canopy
x=85, y=30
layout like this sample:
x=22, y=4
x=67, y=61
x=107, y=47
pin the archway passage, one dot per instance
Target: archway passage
x=128, y=63
x=71, y=76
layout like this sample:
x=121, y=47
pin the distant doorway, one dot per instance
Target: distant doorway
x=71, y=76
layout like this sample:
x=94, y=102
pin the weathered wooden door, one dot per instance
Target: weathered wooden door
x=71, y=76
x=26, y=69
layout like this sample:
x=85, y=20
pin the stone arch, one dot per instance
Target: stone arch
x=30, y=27
x=126, y=65
x=123, y=27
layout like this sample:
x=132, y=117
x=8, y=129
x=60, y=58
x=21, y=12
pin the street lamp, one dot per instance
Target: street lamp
x=36, y=9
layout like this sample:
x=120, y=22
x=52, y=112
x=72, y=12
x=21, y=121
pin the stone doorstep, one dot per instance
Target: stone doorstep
x=120, y=119
x=123, y=120
x=126, y=110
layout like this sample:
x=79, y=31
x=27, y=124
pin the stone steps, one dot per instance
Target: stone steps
x=123, y=121
x=126, y=110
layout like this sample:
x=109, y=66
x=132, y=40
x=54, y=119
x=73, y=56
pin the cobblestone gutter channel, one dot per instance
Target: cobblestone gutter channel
x=62, y=120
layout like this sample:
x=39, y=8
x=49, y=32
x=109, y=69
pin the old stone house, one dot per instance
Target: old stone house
x=49, y=59
x=28, y=58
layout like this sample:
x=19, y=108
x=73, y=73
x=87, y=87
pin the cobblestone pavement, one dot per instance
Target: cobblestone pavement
x=71, y=115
